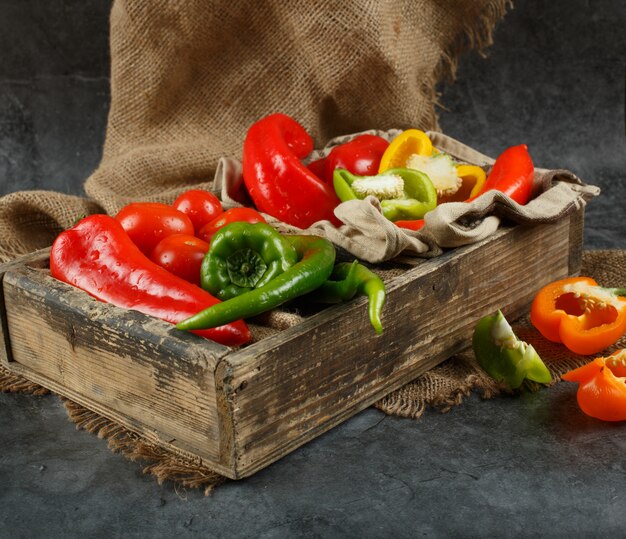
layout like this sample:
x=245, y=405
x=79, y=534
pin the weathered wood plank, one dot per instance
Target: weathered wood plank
x=115, y=361
x=36, y=259
x=289, y=388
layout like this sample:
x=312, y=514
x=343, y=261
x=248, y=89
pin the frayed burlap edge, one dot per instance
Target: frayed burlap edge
x=12, y=383
x=158, y=462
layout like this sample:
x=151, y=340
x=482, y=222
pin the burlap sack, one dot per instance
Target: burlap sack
x=189, y=78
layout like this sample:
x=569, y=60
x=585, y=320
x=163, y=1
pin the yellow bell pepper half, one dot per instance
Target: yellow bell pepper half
x=407, y=143
x=414, y=141
x=473, y=181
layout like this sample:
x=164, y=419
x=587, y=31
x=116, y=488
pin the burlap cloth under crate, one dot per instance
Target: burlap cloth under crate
x=188, y=79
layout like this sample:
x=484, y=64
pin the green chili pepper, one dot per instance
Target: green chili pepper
x=243, y=257
x=346, y=281
x=404, y=193
x=503, y=356
x=316, y=258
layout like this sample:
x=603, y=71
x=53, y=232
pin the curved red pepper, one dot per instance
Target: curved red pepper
x=97, y=256
x=513, y=174
x=361, y=156
x=277, y=181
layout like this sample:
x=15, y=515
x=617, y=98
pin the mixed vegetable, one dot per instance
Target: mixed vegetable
x=206, y=270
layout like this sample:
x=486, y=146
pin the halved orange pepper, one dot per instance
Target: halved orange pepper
x=579, y=313
x=602, y=387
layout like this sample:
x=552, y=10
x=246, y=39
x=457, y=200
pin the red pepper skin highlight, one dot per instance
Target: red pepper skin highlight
x=360, y=156
x=97, y=256
x=513, y=174
x=277, y=181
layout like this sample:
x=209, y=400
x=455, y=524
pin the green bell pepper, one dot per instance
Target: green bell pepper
x=315, y=258
x=349, y=279
x=503, y=356
x=403, y=193
x=243, y=257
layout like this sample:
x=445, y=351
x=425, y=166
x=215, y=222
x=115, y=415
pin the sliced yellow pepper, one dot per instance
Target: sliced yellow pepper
x=473, y=180
x=407, y=143
x=414, y=141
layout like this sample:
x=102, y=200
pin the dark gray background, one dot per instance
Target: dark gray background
x=527, y=466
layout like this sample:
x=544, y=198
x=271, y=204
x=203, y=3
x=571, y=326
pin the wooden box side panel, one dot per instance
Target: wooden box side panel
x=121, y=364
x=288, y=389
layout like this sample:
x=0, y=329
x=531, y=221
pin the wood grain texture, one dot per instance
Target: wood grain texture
x=240, y=410
x=36, y=259
x=292, y=387
x=132, y=368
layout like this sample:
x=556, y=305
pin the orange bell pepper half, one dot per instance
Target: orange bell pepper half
x=579, y=313
x=602, y=387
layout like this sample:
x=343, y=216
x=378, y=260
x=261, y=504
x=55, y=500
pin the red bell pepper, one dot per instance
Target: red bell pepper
x=512, y=173
x=97, y=256
x=361, y=156
x=279, y=184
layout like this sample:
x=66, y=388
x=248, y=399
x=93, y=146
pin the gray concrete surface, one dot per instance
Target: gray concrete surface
x=514, y=467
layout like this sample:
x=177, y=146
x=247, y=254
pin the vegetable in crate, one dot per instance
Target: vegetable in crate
x=278, y=183
x=234, y=215
x=579, y=313
x=403, y=193
x=602, y=390
x=147, y=223
x=315, y=260
x=349, y=279
x=244, y=257
x=99, y=257
x=513, y=174
x=360, y=156
x=453, y=182
x=199, y=205
x=503, y=356
x=181, y=255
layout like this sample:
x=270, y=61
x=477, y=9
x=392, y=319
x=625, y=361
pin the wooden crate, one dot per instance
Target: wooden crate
x=240, y=410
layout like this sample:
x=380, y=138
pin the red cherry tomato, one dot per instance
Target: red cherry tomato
x=233, y=215
x=181, y=254
x=200, y=206
x=147, y=223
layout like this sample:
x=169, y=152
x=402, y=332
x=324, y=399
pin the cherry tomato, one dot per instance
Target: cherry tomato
x=147, y=223
x=181, y=254
x=233, y=215
x=200, y=206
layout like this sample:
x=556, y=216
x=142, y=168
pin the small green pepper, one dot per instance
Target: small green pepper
x=503, y=356
x=403, y=193
x=243, y=257
x=346, y=281
x=316, y=258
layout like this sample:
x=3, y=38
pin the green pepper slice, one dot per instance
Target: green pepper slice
x=503, y=356
x=403, y=193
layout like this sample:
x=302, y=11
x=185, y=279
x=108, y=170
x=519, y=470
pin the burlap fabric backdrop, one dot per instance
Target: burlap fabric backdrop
x=187, y=80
